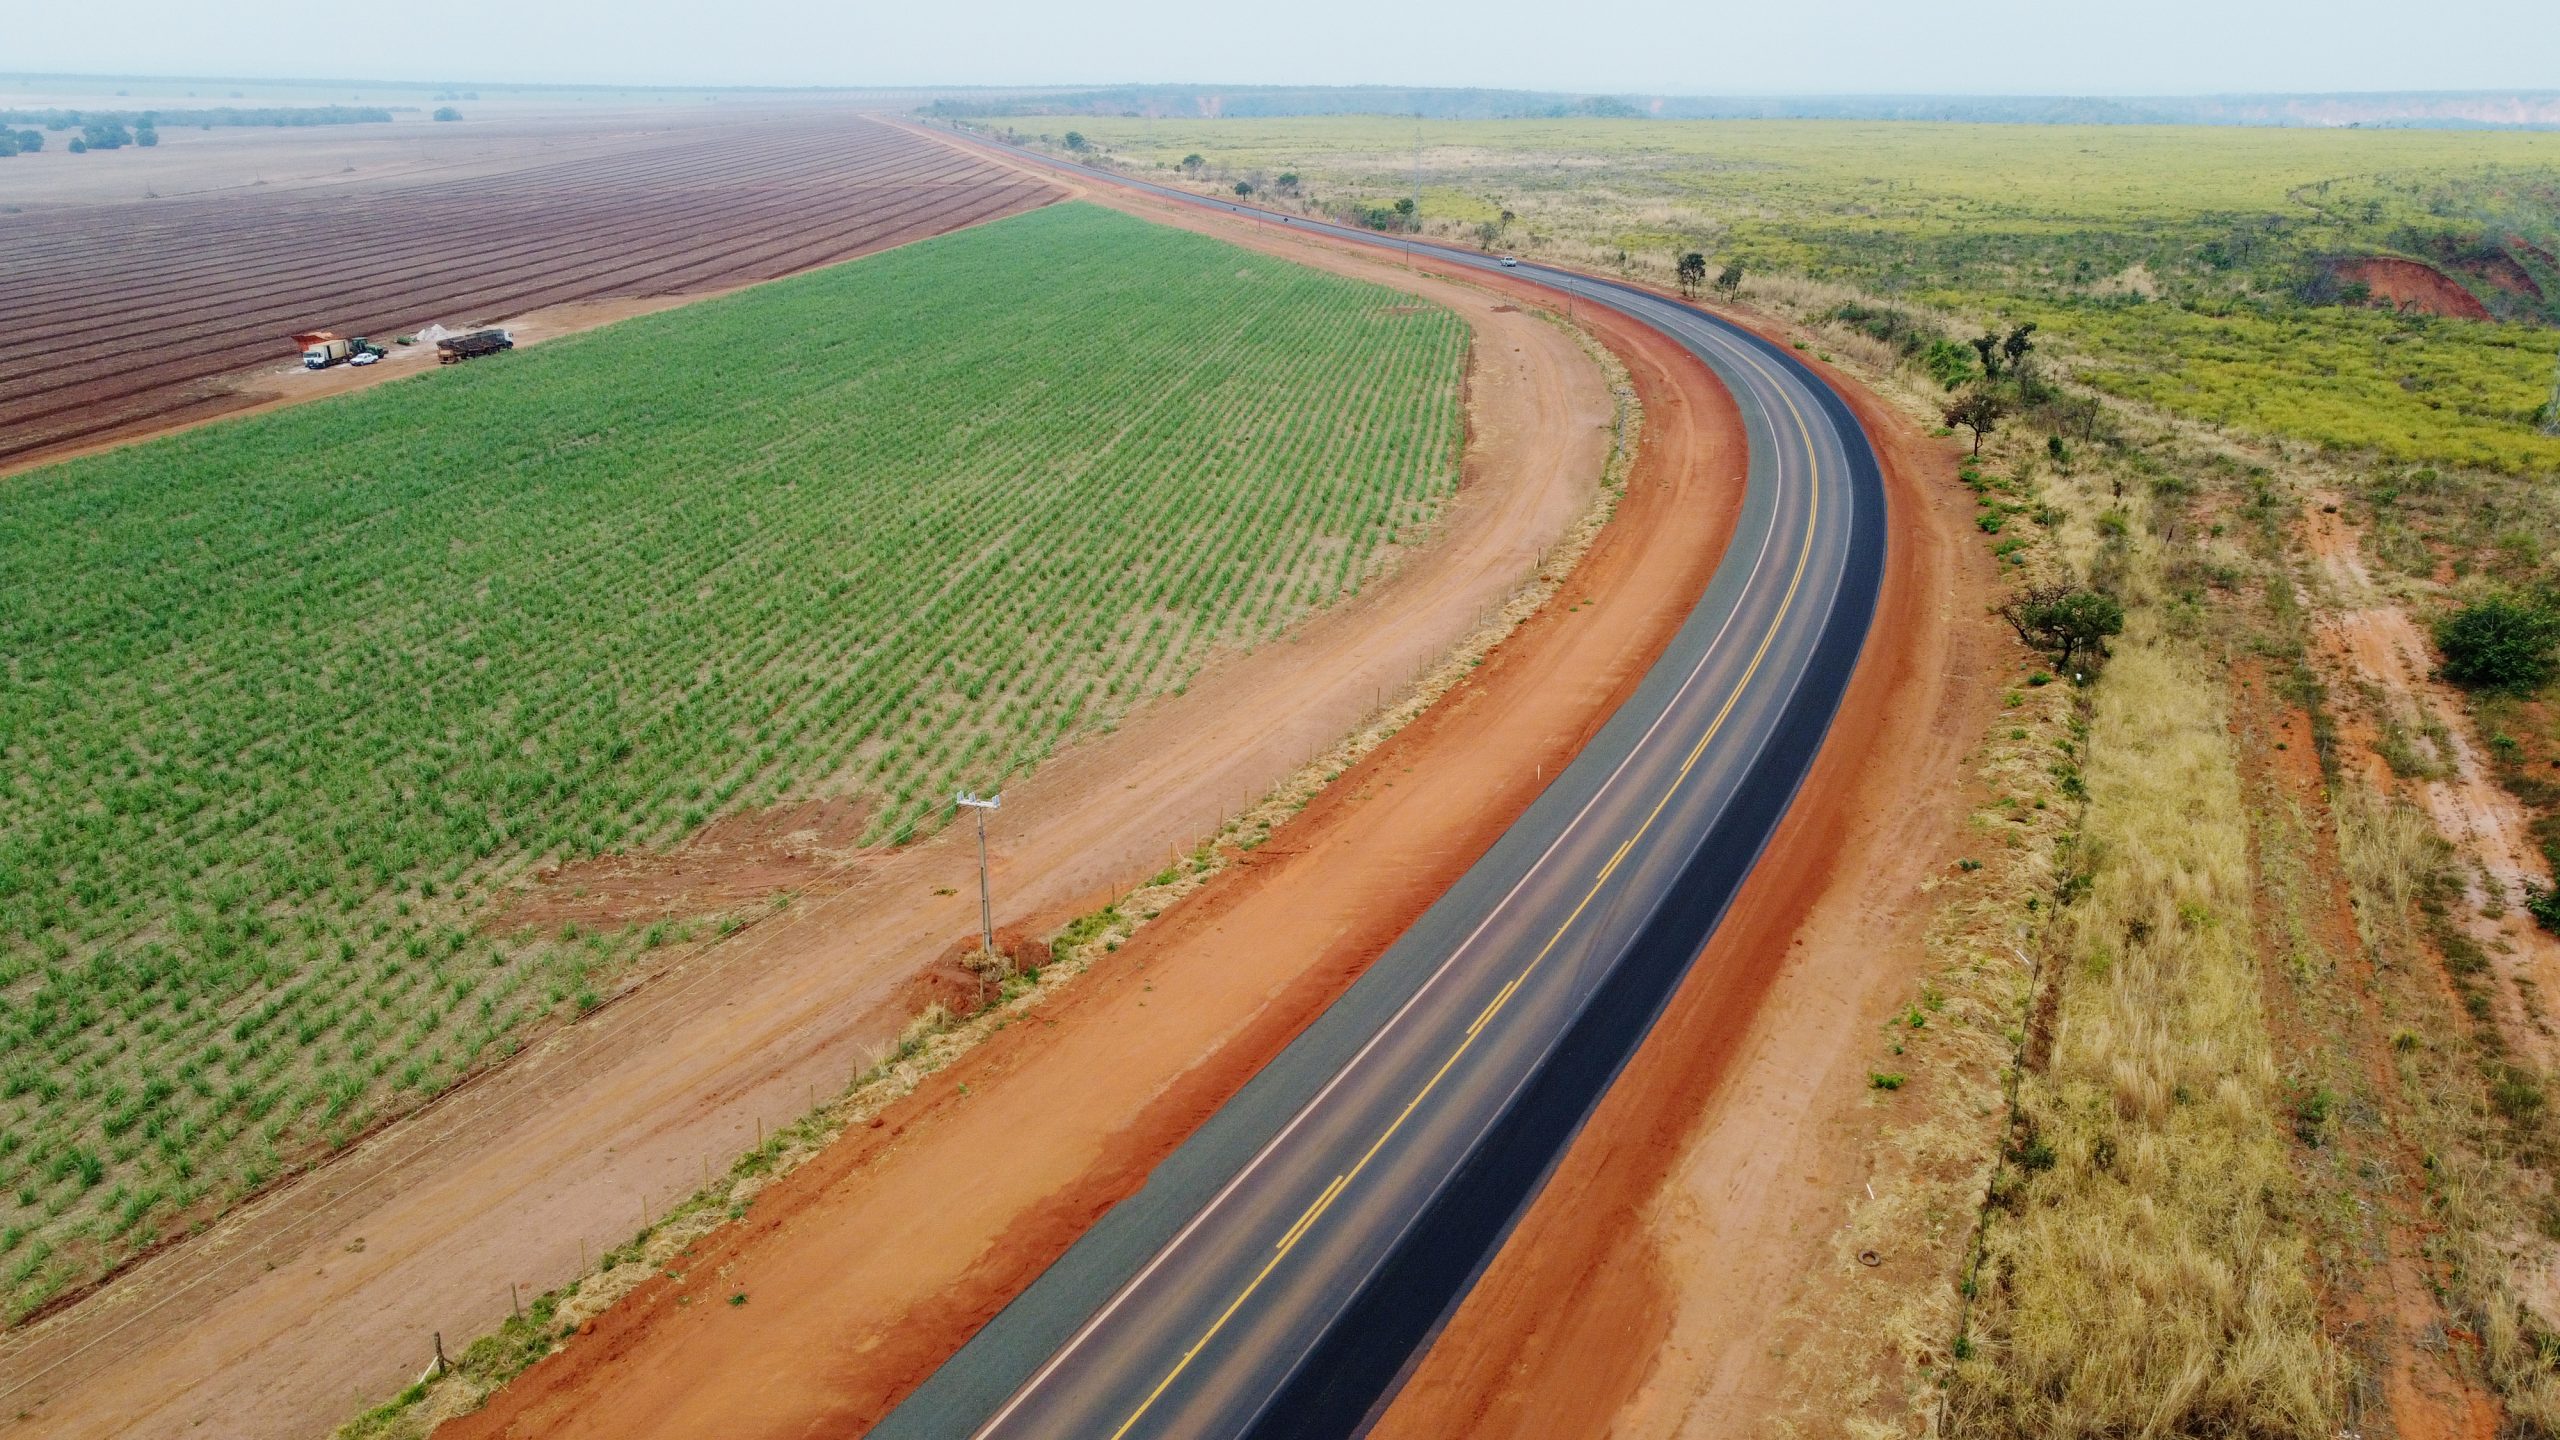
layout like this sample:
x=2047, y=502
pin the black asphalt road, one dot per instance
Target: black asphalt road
x=1279, y=1273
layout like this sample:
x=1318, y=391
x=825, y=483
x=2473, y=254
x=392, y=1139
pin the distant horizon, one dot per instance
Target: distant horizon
x=1086, y=86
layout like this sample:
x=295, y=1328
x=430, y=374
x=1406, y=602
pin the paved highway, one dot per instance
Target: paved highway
x=1279, y=1273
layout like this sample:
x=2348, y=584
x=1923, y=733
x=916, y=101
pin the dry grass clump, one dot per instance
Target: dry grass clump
x=2144, y=1274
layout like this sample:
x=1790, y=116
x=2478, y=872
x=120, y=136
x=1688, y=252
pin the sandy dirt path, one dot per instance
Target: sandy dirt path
x=1640, y=1295
x=293, y=1312
x=869, y=1265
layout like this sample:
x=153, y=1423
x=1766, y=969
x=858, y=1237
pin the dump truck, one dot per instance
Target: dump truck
x=473, y=346
x=322, y=349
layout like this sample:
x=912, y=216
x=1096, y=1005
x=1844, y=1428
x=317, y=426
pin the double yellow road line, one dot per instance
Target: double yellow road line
x=1316, y=1210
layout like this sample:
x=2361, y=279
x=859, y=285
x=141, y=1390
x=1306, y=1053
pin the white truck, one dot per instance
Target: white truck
x=320, y=349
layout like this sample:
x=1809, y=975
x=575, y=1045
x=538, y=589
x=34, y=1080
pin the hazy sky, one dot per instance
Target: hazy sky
x=1676, y=46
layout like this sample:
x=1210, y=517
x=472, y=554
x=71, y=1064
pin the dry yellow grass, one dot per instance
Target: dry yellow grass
x=2144, y=1274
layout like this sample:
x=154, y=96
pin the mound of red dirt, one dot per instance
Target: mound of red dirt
x=2411, y=285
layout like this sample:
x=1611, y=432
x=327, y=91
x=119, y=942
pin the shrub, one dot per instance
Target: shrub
x=2501, y=643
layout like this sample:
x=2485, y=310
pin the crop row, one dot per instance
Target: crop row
x=296, y=702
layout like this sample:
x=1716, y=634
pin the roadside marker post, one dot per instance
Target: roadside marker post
x=986, y=905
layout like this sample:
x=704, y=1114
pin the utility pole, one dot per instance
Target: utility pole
x=986, y=906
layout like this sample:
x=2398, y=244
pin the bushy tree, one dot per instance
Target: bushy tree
x=146, y=136
x=1076, y=140
x=8, y=142
x=106, y=135
x=1979, y=411
x=1987, y=345
x=2503, y=643
x=1193, y=163
x=447, y=113
x=30, y=141
x=1729, y=281
x=2016, y=346
x=2064, y=620
x=1693, y=272
x=1244, y=187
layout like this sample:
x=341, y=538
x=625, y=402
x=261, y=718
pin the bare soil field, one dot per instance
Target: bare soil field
x=122, y=317
x=321, y=1298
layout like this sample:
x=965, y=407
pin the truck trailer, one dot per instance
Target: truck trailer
x=473, y=346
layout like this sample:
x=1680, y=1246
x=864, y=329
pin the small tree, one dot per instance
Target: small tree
x=30, y=141
x=2064, y=620
x=1693, y=272
x=79, y=146
x=1244, y=187
x=1979, y=411
x=1987, y=345
x=1075, y=140
x=1193, y=164
x=1288, y=182
x=1487, y=232
x=2015, y=347
x=447, y=113
x=146, y=136
x=1729, y=280
x=2502, y=643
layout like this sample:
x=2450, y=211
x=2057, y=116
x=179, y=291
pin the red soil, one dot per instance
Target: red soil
x=869, y=1266
x=123, y=318
x=733, y=861
x=2502, y=271
x=1638, y=1294
x=2412, y=285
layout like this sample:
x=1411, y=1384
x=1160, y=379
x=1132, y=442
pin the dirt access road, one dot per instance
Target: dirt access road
x=861, y=1272
x=287, y=1316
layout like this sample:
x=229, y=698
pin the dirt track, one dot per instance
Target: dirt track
x=865, y=1268
x=289, y=1315
x=122, y=317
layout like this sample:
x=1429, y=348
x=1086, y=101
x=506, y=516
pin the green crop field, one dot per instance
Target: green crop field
x=294, y=701
x=2185, y=267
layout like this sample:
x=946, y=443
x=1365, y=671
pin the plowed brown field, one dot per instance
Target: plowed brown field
x=121, y=318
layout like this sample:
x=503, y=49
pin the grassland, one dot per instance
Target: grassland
x=2184, y=267
x=295, y=702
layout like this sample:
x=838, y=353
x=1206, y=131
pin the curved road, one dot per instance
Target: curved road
x=1280, y=1271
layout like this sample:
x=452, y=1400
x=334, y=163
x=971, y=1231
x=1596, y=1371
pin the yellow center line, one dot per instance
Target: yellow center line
x=1315, y=1212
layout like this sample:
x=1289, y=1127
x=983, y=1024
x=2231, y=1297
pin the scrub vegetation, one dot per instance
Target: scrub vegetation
x=2212, y=271
x=296, y=703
